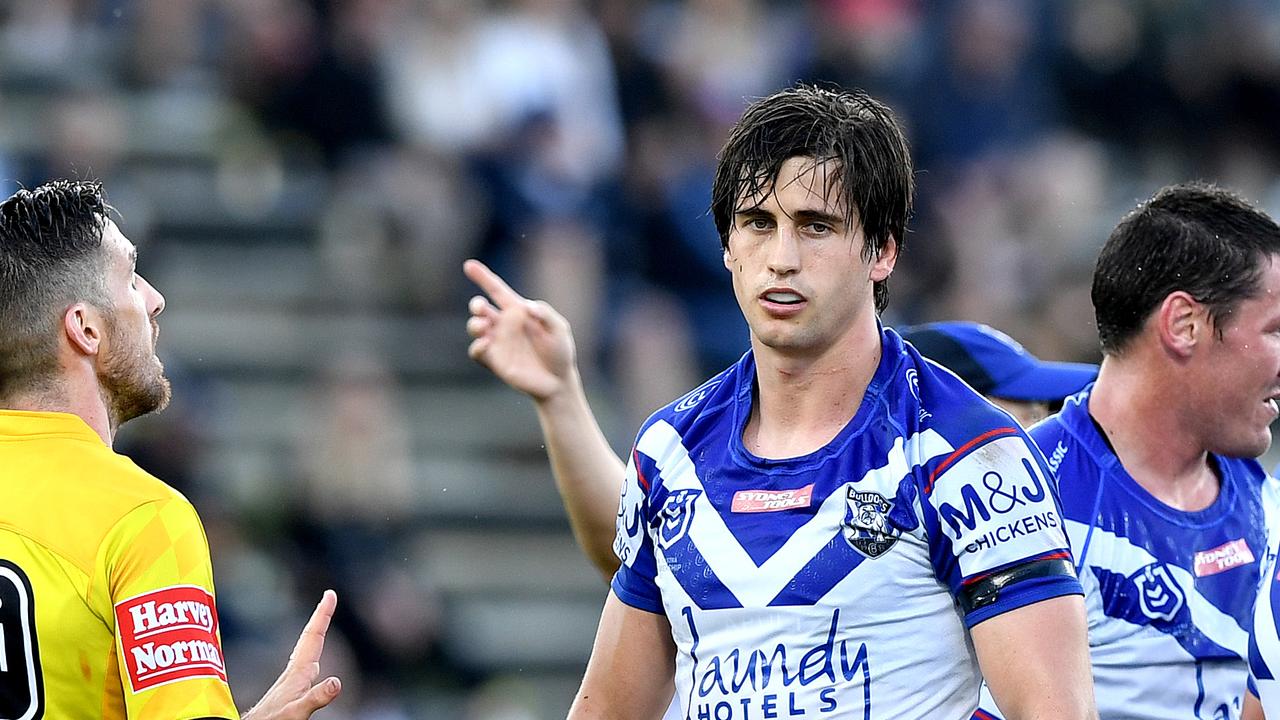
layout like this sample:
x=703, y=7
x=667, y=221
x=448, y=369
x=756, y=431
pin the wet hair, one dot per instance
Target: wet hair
x=1201, y=239
x=51, y=256
x=858, y=134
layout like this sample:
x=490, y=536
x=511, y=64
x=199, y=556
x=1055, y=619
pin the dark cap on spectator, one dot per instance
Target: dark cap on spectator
x=995, y=364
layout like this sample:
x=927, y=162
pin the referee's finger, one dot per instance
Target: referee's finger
x=487, y=280
x=320, y=695
x=311, y=641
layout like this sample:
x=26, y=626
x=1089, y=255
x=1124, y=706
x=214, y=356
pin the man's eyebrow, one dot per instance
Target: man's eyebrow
x=818, y=215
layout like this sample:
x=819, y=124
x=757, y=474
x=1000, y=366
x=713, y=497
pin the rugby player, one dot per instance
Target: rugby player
x=1263, y=697
x=832, y=525
x=529, y=345
x=1264, y=636
x=1165, y=505
x=106, y=592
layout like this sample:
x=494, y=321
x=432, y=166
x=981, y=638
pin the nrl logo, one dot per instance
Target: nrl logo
x=866, y=523
x=1159, y=596
x=677, y=513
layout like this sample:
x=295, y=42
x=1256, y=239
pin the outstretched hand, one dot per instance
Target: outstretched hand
x=296, y=694
x=526, y=343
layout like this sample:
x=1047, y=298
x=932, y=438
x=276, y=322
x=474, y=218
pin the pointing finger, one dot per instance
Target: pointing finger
x=311, y=641
x=487, y=280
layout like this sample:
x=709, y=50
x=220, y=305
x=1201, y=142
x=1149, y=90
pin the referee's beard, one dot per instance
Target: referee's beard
x=132, y=378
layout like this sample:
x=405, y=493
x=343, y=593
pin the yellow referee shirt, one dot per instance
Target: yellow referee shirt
x=106, y=593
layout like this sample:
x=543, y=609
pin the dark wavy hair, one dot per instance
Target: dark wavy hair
x=852, y=129
x=1197, y=238
x=51, y=256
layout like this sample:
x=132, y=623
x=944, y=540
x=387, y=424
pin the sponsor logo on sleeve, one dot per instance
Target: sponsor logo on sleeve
x=1059, y=453
x=628, y=537
x=866, y=524
x=168, y=635
x=755, y=501
x=1223, y=558
x=997, y=507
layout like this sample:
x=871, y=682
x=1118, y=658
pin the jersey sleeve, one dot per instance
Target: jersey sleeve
x=167, y=639
x=635, y=583
x=997, y=537
x=1264, y=635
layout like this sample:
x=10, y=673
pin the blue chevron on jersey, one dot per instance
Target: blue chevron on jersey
x=789, y=584
x=1169, y=593
x=1264, y=638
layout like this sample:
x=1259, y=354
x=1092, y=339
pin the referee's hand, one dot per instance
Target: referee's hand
x=296, y=694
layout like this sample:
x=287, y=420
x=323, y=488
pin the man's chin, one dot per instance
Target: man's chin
x=151, y=400
x=166, y=394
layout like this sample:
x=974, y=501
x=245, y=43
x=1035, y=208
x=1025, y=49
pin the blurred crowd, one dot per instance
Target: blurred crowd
x=570, y=144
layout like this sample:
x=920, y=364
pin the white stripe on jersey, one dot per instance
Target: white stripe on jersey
x=1127, y=559
x=1268, y=641
x=1266, y=637
x=756, y=586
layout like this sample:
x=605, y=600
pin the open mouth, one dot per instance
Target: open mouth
x=783, y=297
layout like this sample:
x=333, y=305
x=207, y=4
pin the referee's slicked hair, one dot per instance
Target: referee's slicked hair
x=1197, y=238
x=854, y=135
x=51, y=256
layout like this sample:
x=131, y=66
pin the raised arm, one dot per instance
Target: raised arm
x=1035, y=660
x=296, y=694
x=629, y=676
x=529, y=346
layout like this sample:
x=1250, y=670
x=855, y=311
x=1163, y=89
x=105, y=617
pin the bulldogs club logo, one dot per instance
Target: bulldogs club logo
x=866, y=523
x=676, y=515
x=1159, y=596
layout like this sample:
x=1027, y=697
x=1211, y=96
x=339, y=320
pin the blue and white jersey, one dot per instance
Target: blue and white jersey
x=840, y=583
x=1169, y=593
x=1264, y=640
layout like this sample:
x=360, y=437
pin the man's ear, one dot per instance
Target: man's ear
x=884, y=261
x=83, y=325
x=728, y=259
x=1181, y=323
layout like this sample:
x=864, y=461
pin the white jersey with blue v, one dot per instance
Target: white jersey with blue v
x=1264, y=638
x=1169, y=593
x=841, y=583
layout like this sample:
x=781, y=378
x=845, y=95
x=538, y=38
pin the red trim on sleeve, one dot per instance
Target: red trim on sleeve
x=960, y=452
x=1056, y=555
x=635, y=461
